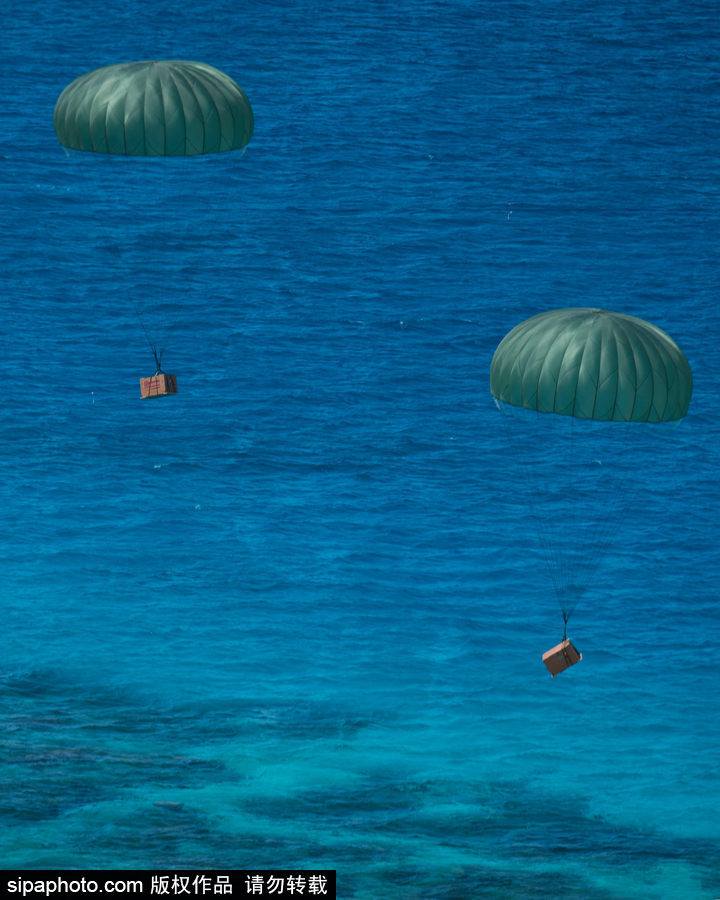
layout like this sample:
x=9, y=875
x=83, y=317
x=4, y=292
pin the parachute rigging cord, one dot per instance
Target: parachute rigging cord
x=157, y=351
x=158, y=358
x=576, y=485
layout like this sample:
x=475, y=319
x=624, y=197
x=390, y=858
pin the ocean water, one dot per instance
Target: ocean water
x=294, y=616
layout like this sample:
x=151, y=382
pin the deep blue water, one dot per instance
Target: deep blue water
x=306, y=598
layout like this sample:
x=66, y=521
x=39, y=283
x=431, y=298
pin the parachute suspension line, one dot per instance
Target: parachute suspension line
x=566, y=616
x=157, y=352
x=550, y=554
x=573, y=538
x=158, y=358
x=549, y=529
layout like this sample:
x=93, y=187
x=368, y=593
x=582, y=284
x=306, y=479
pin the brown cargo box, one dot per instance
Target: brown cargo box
x=561, y=657
x=158, y=385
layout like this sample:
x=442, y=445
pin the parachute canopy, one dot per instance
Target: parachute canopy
x=592, y=364
x=154, y=108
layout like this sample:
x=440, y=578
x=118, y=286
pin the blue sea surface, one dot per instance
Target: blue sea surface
x=294, y=616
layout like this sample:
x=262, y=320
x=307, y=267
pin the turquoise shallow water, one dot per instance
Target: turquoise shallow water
x=306, y=599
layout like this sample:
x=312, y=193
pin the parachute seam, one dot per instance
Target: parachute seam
x=660, y=357
x=621, y=340
x=636, y=374
x=162, y=111
x=637, y=380
x=542, y=365
x=211, y=101
x=580, y=364
x=652, y=377
x=617, y=374
x=636, y=345
x=219, y=119
x=526, y=337
x=555, y=341
x=183, y=78
x=599, y=366
x=608, y=343
x=665, y=357
x=224, y=91
x=144, y=95
x=96, y=104
x=540, y=371
x=105, y=129
x=180, y=105
x=562, y=363
x=654, y=359
x=90, y=117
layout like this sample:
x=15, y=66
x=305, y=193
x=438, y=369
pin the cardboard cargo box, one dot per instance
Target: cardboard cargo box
x=158, y=385
x=561, y=657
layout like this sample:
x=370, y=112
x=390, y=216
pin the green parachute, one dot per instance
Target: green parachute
x=154, y=108
x=589, y=397
x=592, y=364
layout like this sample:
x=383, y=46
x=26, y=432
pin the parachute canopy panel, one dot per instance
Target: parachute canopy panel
x=592, y=364
x=154, y=108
